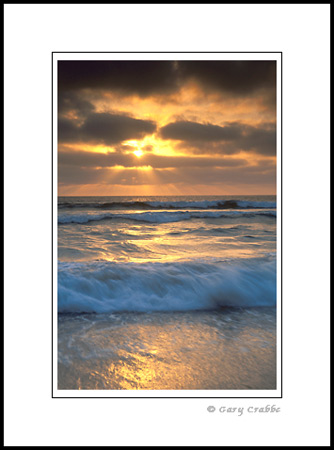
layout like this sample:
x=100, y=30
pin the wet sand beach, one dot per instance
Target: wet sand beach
x=223, y=349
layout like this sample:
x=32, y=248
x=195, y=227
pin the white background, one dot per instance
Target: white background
x=32, y=32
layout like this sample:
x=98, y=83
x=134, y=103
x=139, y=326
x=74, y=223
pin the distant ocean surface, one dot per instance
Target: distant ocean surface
x=182, y=260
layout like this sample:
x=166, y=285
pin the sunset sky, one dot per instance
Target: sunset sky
x=166, y=127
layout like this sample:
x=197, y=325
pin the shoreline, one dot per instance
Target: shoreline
x=229, y=349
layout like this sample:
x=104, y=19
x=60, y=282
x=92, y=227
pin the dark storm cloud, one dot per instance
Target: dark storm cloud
x=158, y=77
x=104, y=128
x=67, y=157
x=112, y=128
x=71, y=101
x=260, y=140
x=234, y=137
x=141, y=77
x=94, y=159
x=237, y=77
x=193, y=132
x=68, y=131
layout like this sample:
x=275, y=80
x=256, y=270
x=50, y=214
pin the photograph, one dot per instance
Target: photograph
x=166, y=182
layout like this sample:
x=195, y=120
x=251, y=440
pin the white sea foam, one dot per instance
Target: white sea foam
x=106, y=287
x=161, y=216
x=212, y=204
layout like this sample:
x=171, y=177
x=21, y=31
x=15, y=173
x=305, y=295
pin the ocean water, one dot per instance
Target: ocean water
x=167, y=292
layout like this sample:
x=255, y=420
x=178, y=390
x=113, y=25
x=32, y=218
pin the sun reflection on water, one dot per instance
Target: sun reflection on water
x=203, y=350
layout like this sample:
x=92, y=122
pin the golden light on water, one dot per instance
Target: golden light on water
x=192, y=353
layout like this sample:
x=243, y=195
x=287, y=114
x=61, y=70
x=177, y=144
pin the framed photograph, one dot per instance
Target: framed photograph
x=167, y=224
x=167, y=275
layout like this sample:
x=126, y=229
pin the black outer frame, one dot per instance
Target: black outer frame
x=52, y=231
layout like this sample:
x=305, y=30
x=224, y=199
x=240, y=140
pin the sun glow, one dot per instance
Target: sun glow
x=138, y=153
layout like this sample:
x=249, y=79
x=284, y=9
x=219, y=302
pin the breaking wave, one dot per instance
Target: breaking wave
x=104, y=287
x=160, y=217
